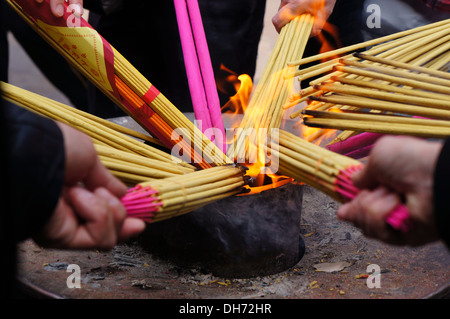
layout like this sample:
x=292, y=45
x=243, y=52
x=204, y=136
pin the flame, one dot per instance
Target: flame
x=237, y=105
x=242, y=85
x=327, y=43
x=335, y=110
x=329, y=35
x=319, y=136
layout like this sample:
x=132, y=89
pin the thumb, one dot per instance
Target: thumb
x=100, y=176
x=131, y=227
x=364, y=178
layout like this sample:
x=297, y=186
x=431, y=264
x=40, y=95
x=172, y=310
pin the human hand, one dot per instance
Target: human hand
x=57, y=6
x=398, y=169
x=89, y=213
x=289, y=9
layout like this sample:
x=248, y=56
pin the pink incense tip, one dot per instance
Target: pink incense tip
x=141, y=202
x=400, y=219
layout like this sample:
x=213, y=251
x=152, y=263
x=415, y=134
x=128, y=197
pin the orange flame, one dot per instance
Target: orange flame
x=237, y=105
x=319, y=136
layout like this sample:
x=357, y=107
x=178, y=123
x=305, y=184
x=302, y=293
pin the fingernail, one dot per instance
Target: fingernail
x=113, y=201
x=84, y=194
x=59, y=10
x=78, y=10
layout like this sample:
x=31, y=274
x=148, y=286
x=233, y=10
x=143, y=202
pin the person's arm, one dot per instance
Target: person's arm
x=289, y=9
x=399, y=169
x=34, y=166
x=60, y=193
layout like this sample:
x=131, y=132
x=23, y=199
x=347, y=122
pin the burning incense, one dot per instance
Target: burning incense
x=364, y=103
x=272, y=92
x=159, y=200
x=405, y=89
x=366, y=44
x=401, y=65
x=378, y=123
x=412, y=50
x=352, y=90
x=95, y=58
x=382, y=128
x=326, y=171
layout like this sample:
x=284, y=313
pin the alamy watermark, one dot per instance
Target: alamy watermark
x=373, y=21
x=74, y=280
x=374, y=279
x=74, y=18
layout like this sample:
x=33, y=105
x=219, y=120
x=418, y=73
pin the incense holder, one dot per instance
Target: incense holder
x=239, y=237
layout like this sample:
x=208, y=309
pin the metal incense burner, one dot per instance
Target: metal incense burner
x=239, y=237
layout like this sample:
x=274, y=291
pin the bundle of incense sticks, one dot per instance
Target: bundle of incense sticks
x=326, y=171
x=199, y=70
x=119, y=148
x=378, y=123
x=426, y=46
x=265, y=109
x=162, y=199
x=419, y=94
x=99, y=62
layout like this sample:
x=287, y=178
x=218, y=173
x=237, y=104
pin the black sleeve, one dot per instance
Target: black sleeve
x=35, y=168
x=442, y=193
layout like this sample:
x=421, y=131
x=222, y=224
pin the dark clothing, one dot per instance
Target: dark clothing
x=146, y=33
x=52, y=65
x=32, y=153
x=32, y=150
x=343, y=28
x=442, y=192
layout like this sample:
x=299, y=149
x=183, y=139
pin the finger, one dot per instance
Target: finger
x=76, y=6
x=58, y=230
x=131, y=227
x=115, y=207
x=100, y=176
x=319, y=21
x=57, y=7
x=285, y=15
x=96, y=229
x=125, y=227
x=365, y=178
x=376, y=206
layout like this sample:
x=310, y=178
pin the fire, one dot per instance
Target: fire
x=243, y=86
x=236, y=107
